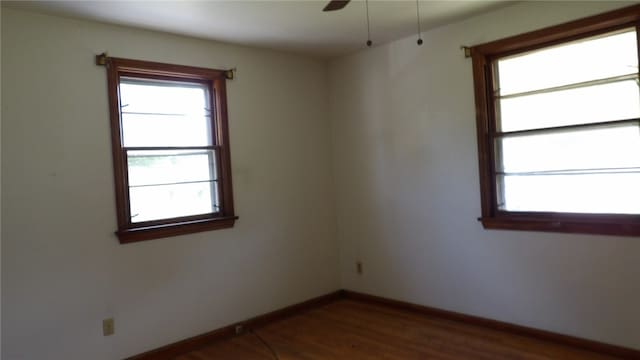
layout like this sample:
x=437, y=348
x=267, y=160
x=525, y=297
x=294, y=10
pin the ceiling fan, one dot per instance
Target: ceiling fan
x=340, y=4
x=335, y=5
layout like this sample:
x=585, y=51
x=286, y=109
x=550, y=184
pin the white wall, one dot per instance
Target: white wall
x=63, y=270
x=405, y=160
x=406, y=170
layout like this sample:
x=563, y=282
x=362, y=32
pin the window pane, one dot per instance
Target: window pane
x=584, y=60
x=162, y=130
x=164, y=113
x=151, y=167
x=160, y=96
x=607, y=147
x=594, y=193
x=613, y=101
x=169, y=201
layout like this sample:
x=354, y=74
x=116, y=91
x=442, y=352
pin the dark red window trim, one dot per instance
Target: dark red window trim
x=216, y=80
x=482, y=58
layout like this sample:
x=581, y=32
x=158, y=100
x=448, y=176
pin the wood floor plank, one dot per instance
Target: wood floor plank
x=350, y=329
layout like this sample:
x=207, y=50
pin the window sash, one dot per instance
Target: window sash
x=212, y=178
x=187, y=123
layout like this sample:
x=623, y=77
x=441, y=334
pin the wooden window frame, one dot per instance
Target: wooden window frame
x=215, y=80
x=483, y=56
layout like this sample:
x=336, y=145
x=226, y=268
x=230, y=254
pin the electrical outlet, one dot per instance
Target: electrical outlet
x=239, y=329
x=359, y=267
x=108, y=327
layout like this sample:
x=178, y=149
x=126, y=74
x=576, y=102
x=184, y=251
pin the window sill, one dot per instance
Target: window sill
x=626, y=225
x=162, y=231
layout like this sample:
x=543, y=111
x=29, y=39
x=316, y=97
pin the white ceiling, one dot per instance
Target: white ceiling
x=297, y=26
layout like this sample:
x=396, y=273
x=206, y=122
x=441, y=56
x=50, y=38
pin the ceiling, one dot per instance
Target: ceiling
x=295, y=26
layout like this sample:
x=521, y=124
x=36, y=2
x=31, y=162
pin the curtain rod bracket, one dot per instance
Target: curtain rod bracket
x=101, y=59
x=230, y=74
x=467, y=51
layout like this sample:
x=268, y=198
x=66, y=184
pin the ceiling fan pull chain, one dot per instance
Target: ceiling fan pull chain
x=366, y=4
x=418, y=15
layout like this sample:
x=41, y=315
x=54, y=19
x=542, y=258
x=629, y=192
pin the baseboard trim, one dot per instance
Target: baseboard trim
x=591, y=345
x=171, y=351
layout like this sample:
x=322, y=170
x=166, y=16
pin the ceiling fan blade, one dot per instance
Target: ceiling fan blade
x=335, y=5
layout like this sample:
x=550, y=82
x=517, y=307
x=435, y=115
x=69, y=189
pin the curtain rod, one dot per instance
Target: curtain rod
x=101, y=60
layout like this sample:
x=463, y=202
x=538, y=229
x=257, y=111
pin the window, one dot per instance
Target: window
x=558, y=117
x=170, y=149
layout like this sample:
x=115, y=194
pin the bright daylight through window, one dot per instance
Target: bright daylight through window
x=163, y=182
x=171, y=149
x=559, y=140
x=558, y=113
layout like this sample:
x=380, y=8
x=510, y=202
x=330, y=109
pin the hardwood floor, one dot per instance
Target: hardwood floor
x=348, y=329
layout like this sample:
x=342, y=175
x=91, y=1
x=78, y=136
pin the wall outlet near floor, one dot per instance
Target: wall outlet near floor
x=239, y=329
x=108, y=327
x=359, y=267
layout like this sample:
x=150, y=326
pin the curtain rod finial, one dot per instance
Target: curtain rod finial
x=467, y=51
x=101, y=59
x=230, y=74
